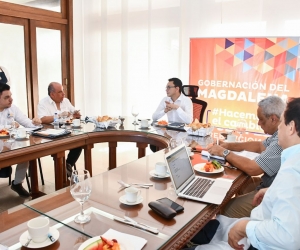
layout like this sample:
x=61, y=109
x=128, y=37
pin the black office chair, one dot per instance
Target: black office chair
x=199, y=106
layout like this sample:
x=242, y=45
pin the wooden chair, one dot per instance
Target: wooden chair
x=199, y=106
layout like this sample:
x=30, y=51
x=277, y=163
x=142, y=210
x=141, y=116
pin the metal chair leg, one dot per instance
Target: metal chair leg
x=41, y=171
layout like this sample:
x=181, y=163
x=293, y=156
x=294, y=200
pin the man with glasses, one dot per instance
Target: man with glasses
x=178, y=107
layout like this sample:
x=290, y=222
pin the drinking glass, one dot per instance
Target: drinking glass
x=174, y=142
x=241, y=126
x=135, y=112
x=10, y=125
x=64, y=116
x=81, y=188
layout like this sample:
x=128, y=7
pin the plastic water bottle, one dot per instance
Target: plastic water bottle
x=56, y=121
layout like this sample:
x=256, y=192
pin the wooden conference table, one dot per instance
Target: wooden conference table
x=104, y=201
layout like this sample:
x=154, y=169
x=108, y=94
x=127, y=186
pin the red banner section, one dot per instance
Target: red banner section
x=234, y=74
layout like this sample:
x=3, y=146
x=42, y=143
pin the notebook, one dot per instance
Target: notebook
x=188, y=185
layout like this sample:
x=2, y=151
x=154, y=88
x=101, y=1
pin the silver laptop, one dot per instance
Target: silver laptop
x=190, y=186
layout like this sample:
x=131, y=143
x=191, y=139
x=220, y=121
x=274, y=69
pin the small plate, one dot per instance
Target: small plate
x=24, y=238
x=4, y=136
x=123, y=200
x=123, y=243
x=153, y=174
x=200, y=168
x=158, y=125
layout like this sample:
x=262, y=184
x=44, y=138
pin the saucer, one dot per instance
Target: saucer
x=73, y=126
x=20, y=138
x=123, y=200
x=153, y=174
x=24, y=238
x=145, y=127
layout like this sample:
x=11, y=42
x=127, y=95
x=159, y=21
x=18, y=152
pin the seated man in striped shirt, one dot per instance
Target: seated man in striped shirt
x=266, y=164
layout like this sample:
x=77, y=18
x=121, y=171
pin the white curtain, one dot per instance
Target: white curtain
x=125, y=50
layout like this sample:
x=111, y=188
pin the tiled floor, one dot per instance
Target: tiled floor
x=126, y=152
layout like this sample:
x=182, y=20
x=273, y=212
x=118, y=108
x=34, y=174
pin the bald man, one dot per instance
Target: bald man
x=56, y=102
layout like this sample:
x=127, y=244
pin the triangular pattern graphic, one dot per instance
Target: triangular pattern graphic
x=267, y=56
x=218, y=49
x=237, y=61
x=231, y=49
x=294, y=50
x=230, y=61
x=291, y=43
x=275, y=50
x=278, y=57
x=240, y=55
x=248, y=44
x=246, y=67
x=283, y=44
x=228, y=43
x=291, y=75
x=289, y=56
x=247, y=55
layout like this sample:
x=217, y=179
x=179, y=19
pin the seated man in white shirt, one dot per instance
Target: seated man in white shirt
x=177, y=106
x=56, y=102
x=274, y=223
x=9, y=110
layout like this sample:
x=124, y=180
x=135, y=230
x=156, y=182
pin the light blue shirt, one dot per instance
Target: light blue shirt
x=275, y=223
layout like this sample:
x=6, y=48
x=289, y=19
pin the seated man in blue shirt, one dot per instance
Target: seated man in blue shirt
x=274, y=223
x=266, y=164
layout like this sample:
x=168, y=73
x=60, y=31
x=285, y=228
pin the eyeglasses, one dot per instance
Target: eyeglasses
x=169, y=87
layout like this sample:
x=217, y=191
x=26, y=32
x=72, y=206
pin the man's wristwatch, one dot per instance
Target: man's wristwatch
x=226, y=152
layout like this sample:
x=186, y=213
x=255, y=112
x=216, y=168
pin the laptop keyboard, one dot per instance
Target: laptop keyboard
x=199, y=188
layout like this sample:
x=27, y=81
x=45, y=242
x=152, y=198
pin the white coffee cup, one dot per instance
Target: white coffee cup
x=144, y=123
x=21, y=132
x=38, y=229
x=132, y=194
x=76, y=122
x=160, y=168
x=231, y=138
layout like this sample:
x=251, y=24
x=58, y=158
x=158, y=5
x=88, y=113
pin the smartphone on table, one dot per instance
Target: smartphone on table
x=178, y=208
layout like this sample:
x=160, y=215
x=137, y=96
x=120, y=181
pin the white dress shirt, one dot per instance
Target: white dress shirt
x=183, y=114
x=19, y=117
x=274, y=224
x=47, y=107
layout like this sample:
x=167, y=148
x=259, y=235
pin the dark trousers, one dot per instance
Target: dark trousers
x=73, y=155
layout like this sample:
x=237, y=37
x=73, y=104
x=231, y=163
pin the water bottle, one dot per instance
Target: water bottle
x=56, y=121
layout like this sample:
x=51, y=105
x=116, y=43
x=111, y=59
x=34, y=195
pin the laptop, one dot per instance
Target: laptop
x=188, y=185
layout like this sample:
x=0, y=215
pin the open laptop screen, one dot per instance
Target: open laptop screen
x=180, y=166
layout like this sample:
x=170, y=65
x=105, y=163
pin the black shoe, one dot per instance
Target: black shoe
x=20, y=190
x=69, y=170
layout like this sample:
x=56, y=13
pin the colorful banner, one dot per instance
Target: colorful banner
x=234, y=74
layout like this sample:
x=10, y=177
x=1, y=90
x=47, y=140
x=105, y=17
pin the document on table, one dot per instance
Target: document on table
x=244, y=153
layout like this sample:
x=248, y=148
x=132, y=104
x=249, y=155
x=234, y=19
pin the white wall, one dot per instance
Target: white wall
x=125, y=50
